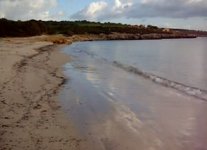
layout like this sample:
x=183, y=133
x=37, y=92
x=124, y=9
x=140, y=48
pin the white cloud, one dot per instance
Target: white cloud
x=96, y=7
x=93, y=11
x=27, y=9
x=120, y=6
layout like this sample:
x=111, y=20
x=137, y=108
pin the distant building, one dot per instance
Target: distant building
x=166, y=30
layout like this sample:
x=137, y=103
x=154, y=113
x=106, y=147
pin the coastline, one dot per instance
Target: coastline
x=31, y=76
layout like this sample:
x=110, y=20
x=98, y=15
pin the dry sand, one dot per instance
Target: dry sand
x=30, y=115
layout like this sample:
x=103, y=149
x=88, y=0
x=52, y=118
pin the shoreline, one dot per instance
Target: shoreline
x=31, y=76
x=61, y=39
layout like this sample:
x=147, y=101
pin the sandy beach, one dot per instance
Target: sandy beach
x=38, y=113
x=103, y=75
x=30, y=77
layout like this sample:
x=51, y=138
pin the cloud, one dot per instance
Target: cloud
x=27, y=9
x=93, y=11
x=168, y=9
x=143, y=9
x=102, y=10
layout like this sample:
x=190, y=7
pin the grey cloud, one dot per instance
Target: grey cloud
x=149, y=9
x=169, y=9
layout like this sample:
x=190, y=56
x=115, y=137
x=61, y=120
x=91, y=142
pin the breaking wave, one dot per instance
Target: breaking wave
x=188, y=90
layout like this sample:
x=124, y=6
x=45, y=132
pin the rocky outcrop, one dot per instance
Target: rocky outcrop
x=124, y=36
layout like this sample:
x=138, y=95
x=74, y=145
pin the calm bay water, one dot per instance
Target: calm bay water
x=132, y=94
x=180, y=60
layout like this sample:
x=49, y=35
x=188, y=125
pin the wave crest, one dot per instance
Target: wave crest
x=188, y=90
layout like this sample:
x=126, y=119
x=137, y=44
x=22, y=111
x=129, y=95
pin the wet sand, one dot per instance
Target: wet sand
x=118, y=109
x=30, y=115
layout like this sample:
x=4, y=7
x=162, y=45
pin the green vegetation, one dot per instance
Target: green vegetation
x=10, y=28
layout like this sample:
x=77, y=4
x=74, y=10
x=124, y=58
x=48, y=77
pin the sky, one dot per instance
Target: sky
x=189, y=14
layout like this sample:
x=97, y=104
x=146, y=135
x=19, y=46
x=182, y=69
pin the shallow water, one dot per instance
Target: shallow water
x=181, y=60
x=115, y=108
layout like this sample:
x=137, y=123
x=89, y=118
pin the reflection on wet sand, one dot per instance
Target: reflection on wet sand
x=116, y=110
